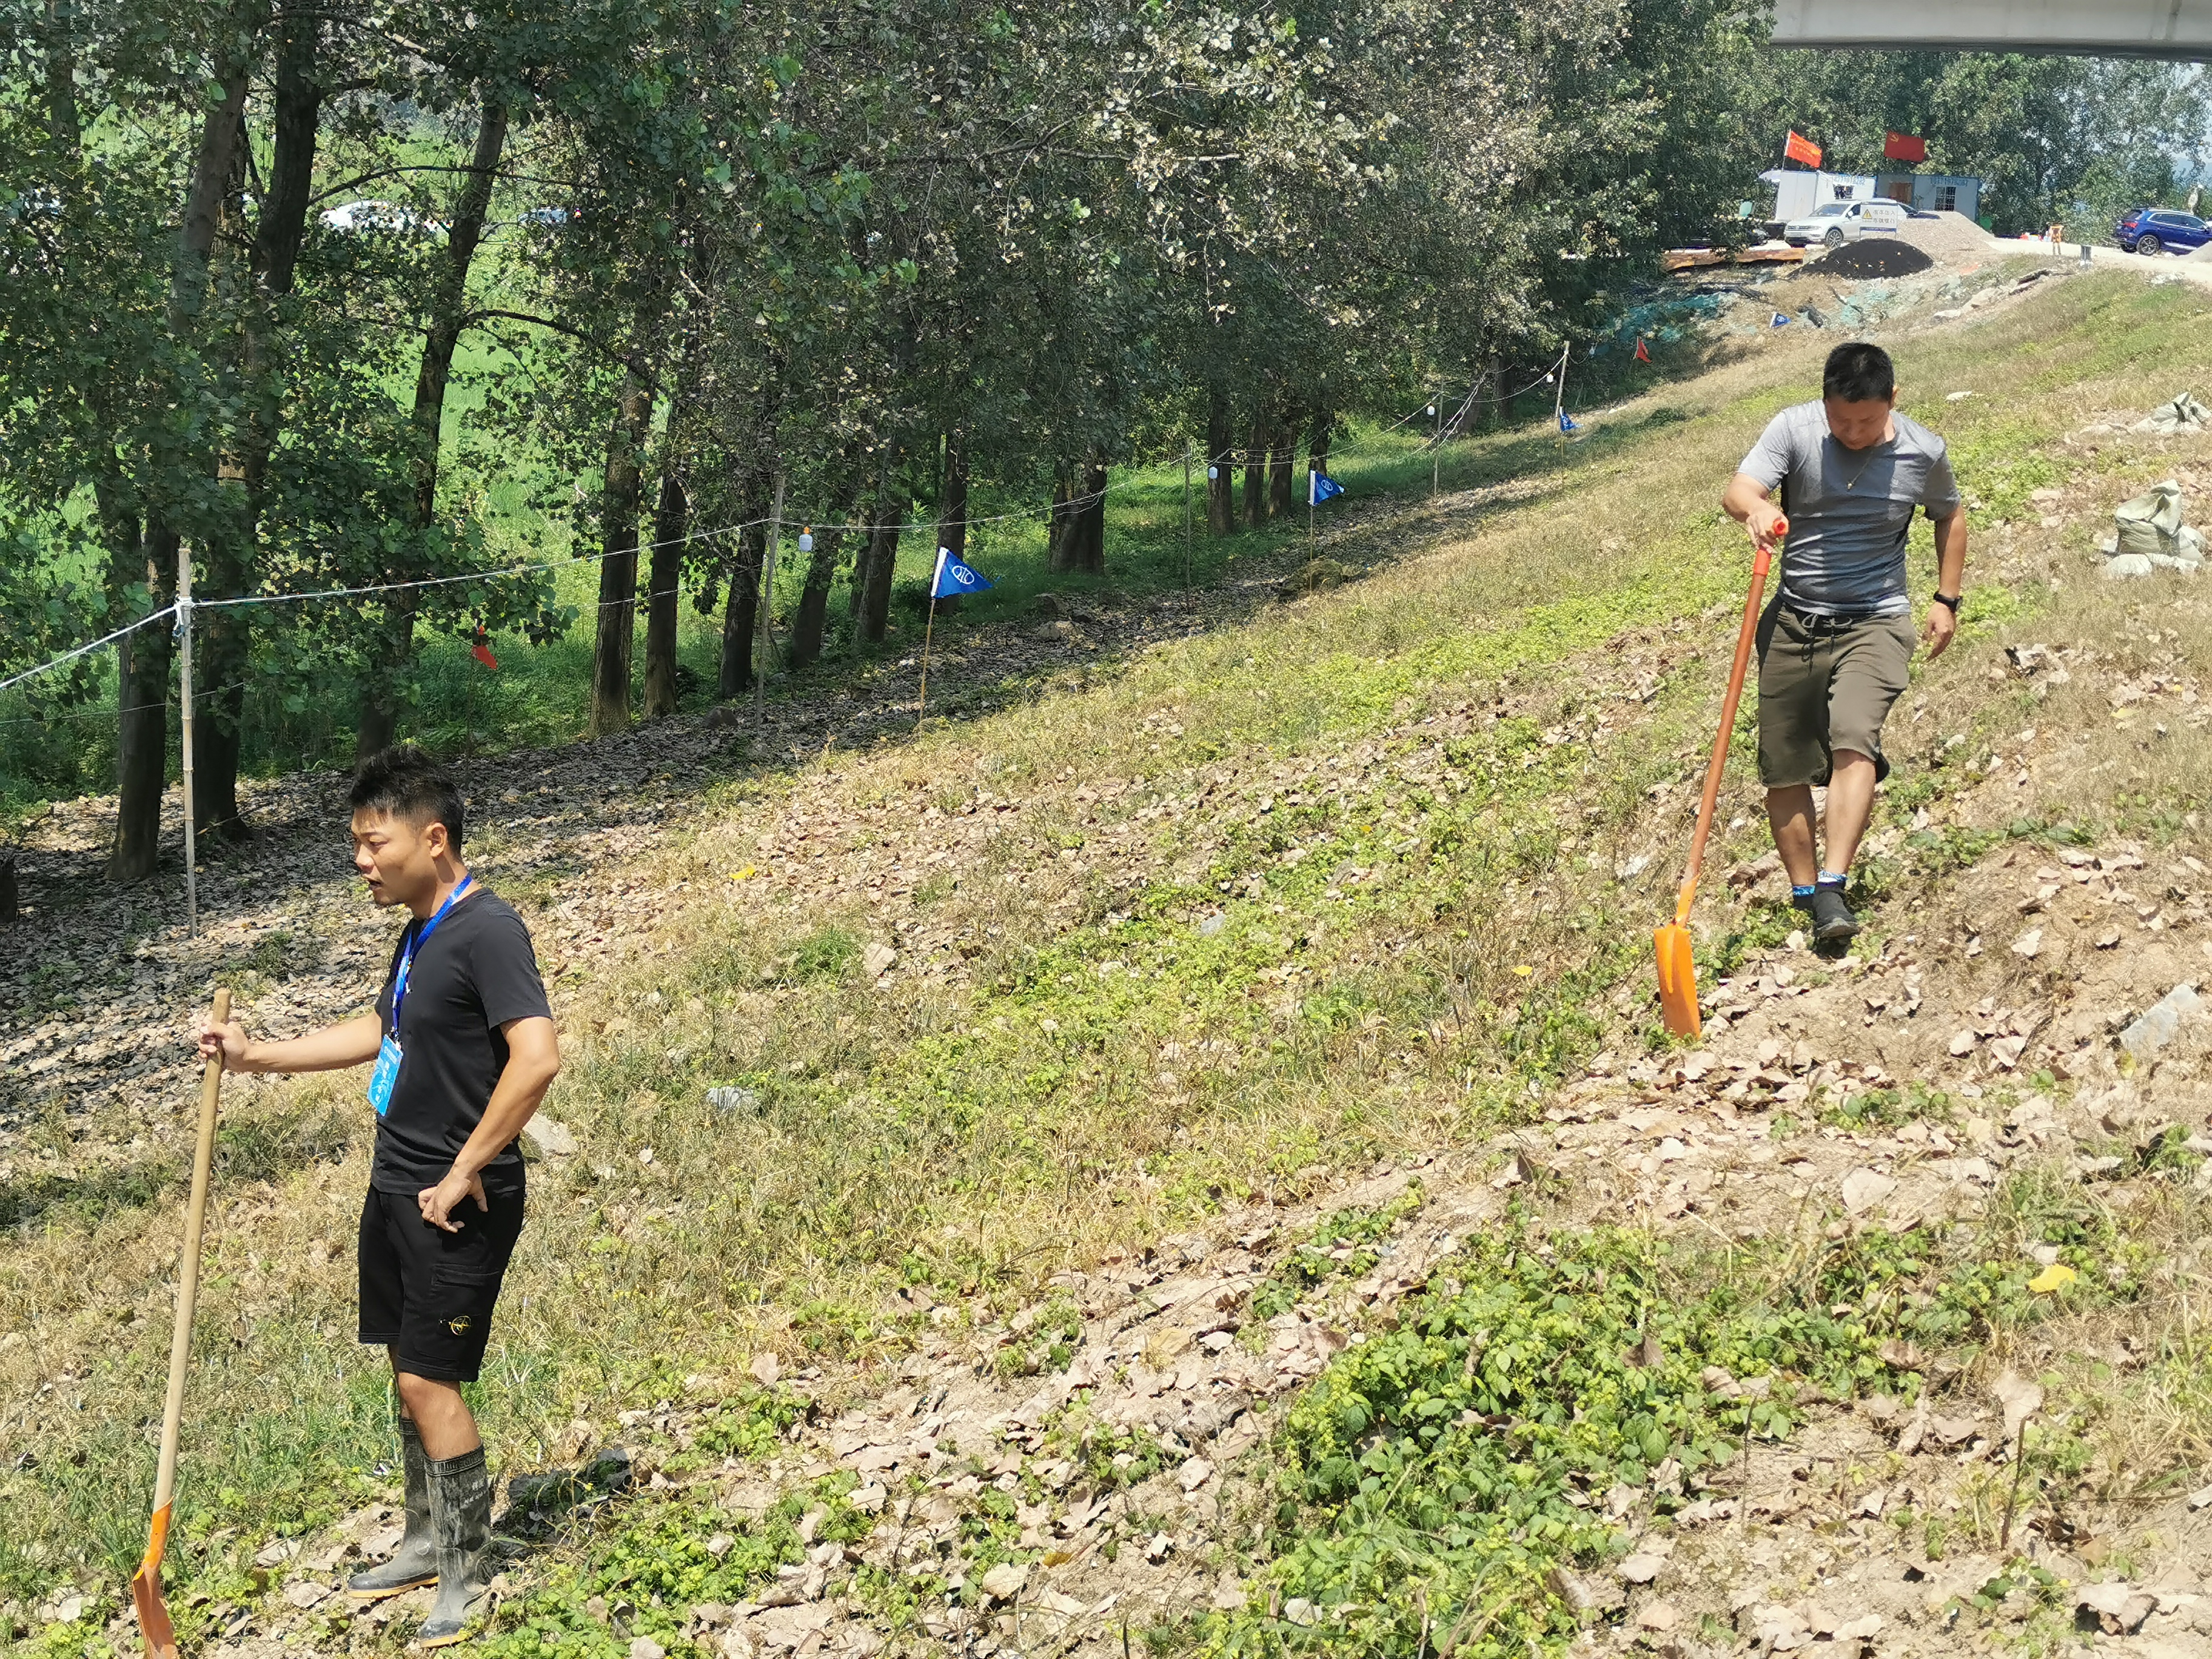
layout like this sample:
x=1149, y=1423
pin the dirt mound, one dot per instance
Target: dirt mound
x=1856, y=261
x=1944, y=237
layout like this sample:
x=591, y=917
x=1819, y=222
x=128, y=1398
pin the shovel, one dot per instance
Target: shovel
x=1678, y=971
x=146, y=1583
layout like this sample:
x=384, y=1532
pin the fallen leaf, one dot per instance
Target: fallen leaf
x=1864, y=1188
x=1641, y=1569
x=2020, y=1399
x=2055, y=1277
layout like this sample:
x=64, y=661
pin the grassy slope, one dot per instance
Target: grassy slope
x=1406, y=803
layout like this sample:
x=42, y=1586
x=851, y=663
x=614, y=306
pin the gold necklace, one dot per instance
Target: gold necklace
x=1871, y=459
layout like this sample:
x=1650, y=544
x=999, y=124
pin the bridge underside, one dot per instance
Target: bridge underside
x=2100, y=28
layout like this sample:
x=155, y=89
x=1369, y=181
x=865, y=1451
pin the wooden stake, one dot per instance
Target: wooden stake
x=1185, y=513
x=928, y=629
x=184, y=700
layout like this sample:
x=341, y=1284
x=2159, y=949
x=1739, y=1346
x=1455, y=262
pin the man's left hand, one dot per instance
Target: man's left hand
x=1942, y=624
x=439, y=1202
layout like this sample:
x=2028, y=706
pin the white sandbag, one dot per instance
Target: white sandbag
x=2151, y=523
x=2183, y=413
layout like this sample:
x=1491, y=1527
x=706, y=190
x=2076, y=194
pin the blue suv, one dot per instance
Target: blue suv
x=2155, y=230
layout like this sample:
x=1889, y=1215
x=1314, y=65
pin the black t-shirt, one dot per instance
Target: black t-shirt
x=476, y=973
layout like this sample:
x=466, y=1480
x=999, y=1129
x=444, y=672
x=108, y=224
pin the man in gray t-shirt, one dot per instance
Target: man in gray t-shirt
x=1836, y=644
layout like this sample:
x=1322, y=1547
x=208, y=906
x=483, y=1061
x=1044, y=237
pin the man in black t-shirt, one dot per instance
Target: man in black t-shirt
x=464, y=1048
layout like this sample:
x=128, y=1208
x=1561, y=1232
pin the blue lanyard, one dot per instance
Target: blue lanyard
x=422, y=938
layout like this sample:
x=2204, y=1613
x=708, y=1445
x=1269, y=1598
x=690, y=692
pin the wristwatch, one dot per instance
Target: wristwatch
x=1951, y=599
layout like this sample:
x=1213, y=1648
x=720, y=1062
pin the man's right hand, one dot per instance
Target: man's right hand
x=227, y=1040
x=1767, y=525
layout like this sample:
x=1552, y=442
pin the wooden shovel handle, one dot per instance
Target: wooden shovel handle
x=188, y=1287
x=1743, y=643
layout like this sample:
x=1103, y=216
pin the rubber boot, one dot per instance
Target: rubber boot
x=460, y=1522
x=414, y=1563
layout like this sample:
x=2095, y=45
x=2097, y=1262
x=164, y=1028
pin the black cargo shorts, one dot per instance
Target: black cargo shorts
x=428, y=1294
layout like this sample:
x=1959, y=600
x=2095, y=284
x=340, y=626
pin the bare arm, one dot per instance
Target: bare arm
x=1950, y=576
x=351, y=1043
x=534, y=1061
x=1746, y=501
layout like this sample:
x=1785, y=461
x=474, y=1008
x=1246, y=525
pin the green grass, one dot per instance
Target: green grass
x=1343, y=887
x=1437, y=1473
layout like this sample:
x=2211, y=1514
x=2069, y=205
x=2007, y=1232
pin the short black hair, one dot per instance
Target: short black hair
x=1859, y=373
x=409, y=784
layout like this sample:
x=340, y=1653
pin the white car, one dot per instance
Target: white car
x=357, y=218
x=1834, y=223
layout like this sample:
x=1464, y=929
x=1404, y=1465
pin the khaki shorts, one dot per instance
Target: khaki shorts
x=1825, y=683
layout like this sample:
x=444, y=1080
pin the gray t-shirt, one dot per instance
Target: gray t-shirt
x=1850, y=509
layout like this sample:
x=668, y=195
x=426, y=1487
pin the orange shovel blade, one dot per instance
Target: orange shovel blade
x=1677, y=980
x=153, y=1617
x=146, y=1593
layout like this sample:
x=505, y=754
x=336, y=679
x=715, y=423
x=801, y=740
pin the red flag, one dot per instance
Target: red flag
x=1642, y=351
x=1801, y=149
x=1904, y=147
x=482, y=652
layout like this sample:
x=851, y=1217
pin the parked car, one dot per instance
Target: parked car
x=1833, y=223
x=2159, y=230
x=357, y=218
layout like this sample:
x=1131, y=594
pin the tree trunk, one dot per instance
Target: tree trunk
x=223, y=642
x=1318, y=441
x=1094, y=520
x=141, y=738
x=142, y=734
x=1078, y=543
x=1221, y=479
x=671, y=523
x=812, y=621
x=672, y=548
x=621, y=500
x=1060, y=531
x=392, y=649
x=1255, y=466
x=741, y=614
x=1282, y=459
x=871, y=589
x=952, y=499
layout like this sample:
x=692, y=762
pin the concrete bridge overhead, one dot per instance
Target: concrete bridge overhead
x=2089, y=28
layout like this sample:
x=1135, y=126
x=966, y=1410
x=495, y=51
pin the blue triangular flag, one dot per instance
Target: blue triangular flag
x=1781, y=320
x=1319, y=487
x=1567, y=422
x=955, y=576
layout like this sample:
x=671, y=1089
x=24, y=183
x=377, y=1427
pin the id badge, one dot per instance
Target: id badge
x=380, y=1080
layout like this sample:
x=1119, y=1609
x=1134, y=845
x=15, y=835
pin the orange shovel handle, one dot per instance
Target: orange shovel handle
x=1744, y=637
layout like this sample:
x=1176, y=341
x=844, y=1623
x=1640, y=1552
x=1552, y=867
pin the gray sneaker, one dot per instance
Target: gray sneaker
x=1832, y=921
